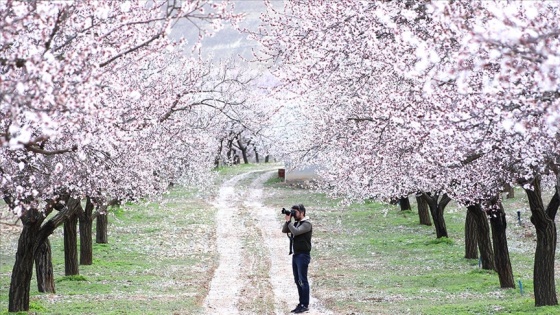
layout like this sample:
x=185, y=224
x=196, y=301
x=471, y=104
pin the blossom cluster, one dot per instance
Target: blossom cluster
x=97, y=99
x=401, y=97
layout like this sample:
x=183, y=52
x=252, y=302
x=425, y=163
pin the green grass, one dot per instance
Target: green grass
x=242, y=168
x=71, y=278
x=157, y=261
x=372, y=258
x=367, y=258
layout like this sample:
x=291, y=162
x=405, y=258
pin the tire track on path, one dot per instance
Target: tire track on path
x=231, y=291
x=223, y=294
x=276, y=244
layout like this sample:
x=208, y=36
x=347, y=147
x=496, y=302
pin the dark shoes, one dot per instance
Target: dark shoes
x=300, y=309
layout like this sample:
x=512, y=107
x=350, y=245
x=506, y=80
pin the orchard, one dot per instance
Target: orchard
x=442, y=100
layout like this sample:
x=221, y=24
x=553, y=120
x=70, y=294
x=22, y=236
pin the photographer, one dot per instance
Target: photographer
x=299, y=231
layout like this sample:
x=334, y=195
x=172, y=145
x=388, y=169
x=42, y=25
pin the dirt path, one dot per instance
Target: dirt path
x=254, y=274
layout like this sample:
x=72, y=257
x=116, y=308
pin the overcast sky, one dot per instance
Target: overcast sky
x=228, y=42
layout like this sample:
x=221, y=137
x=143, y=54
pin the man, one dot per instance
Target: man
x=300, y=230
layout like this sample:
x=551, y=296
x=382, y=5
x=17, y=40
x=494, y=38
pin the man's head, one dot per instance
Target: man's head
x=300, y=211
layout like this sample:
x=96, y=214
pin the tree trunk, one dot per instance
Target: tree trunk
x=501, y=253
x=483, y=238
x=231, y=151
x=543, y=273
x=243, y=149
x=267, y=158
x=219, y=154
x=101, y=226
x=256, y=154
x=436, y=210
x=510, y=193
x=32, y=237
x=423, y=211
x=23, y=267
x=71, y=246
x=44, y=268
x=404, y=202
x=471, y=239
x=86, y=223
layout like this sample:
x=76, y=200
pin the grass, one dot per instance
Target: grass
x=228, y=171
x=142, y=270
x=367, y=258
x=372, y=258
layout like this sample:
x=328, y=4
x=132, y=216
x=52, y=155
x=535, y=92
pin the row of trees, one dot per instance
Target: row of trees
x=443, y=99
x=98, y=102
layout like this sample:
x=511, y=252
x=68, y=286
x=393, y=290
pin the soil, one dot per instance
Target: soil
x=254, y=275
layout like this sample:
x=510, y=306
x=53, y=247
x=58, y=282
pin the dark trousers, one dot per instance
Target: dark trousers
x=300, y=264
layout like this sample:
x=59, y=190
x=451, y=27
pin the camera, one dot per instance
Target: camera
x=288, y=212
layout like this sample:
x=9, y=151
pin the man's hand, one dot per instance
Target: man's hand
x=288, y=217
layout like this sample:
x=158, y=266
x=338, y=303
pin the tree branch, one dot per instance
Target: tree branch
x=38, y=150
x=146, y=43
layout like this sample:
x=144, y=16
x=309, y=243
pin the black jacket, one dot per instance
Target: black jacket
x=301, y=233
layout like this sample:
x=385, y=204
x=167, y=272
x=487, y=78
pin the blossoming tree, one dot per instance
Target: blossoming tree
x=427, y=97
x=87, y=88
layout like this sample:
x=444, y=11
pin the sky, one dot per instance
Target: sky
x=229, y=42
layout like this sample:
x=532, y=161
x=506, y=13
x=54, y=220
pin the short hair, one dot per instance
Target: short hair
x=299, y=207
